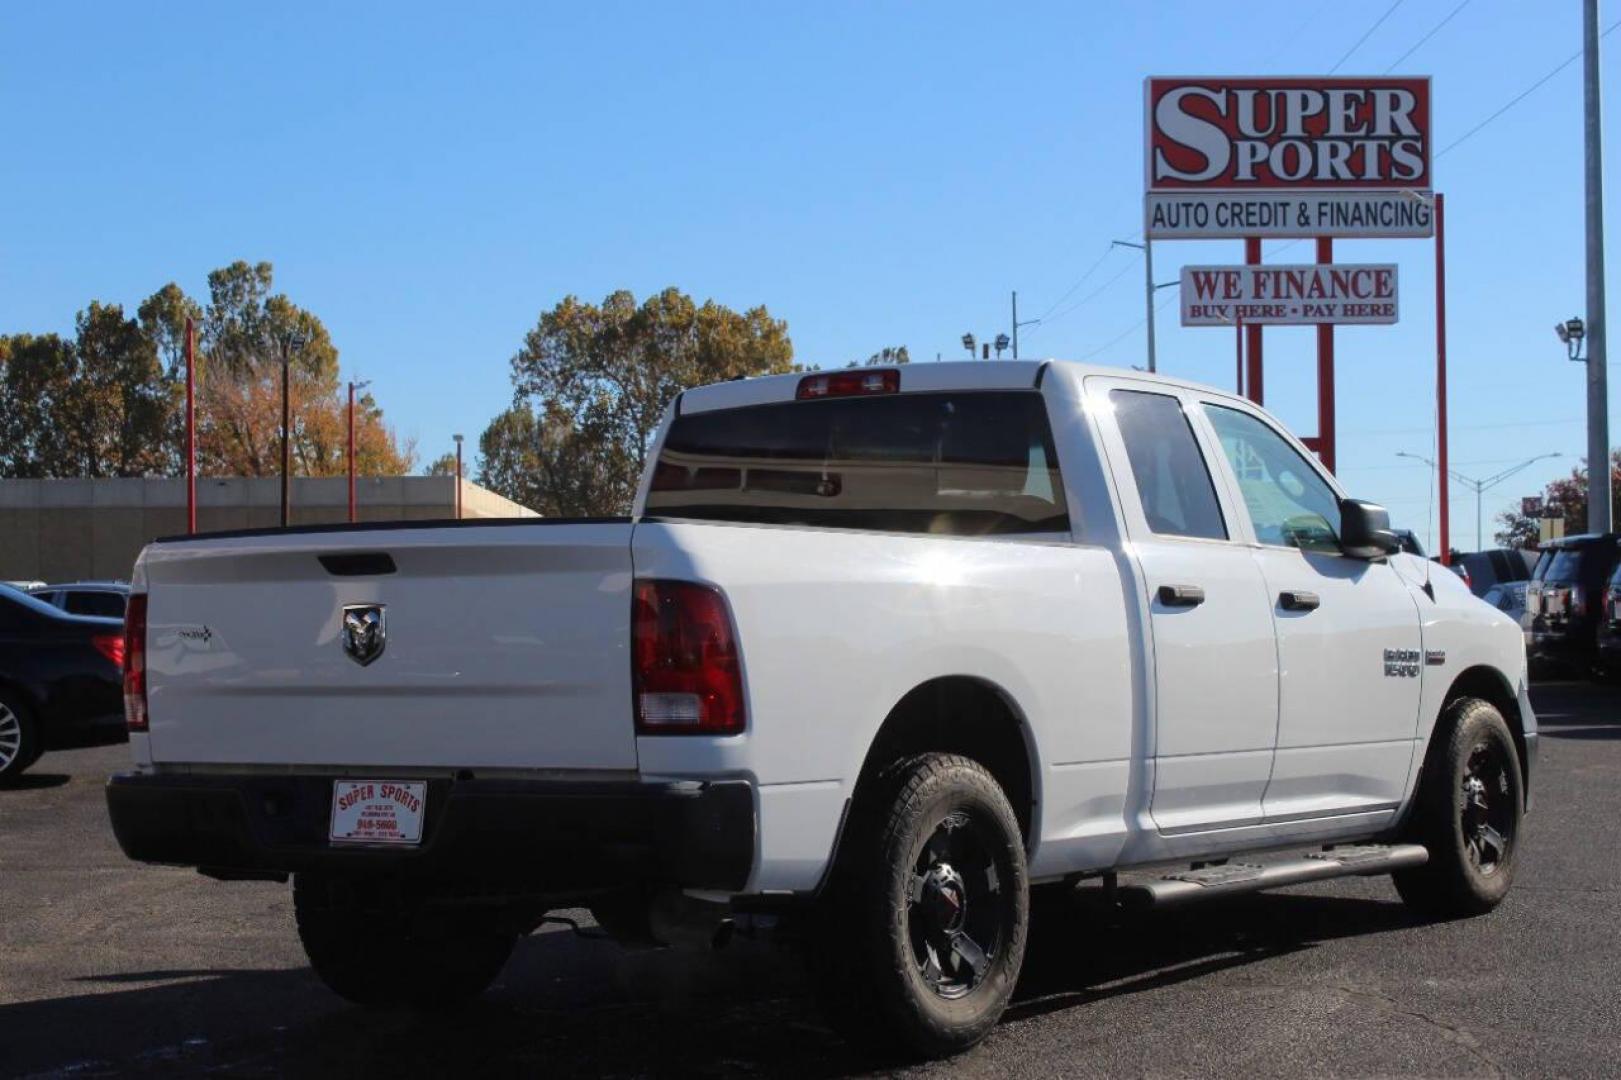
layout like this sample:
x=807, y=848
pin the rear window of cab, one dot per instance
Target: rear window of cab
x=972, y=463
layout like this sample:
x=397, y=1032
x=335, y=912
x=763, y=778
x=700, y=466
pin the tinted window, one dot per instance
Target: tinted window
x=1173, y=481
x=1565, y=566
x=958, y=464
x=108, y=604
x=1288, y=502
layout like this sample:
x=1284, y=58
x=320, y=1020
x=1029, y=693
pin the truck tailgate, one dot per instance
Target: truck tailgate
x=502, y=646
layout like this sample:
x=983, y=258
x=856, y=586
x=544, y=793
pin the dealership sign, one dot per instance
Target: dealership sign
x=1358, y=293
x=1272, y=157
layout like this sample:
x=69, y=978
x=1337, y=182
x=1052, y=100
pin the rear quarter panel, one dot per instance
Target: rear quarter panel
x=836, y=627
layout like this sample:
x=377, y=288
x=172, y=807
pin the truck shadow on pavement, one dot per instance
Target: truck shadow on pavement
x=569, y=1005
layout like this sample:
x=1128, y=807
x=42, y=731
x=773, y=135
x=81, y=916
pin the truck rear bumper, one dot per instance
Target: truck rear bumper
x=550, y=837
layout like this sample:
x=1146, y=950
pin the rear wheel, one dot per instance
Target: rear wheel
x=19, y=738
x=921, y=937
x=374, y=946
x=1470, y=802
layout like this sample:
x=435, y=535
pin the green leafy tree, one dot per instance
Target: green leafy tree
x=443, y=465
x=96, y=406
x=36, y=379
x=542, y=462
x=597, y=379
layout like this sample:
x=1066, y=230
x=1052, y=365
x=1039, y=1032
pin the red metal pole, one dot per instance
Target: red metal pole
x=1325, y=371
x=191, y=426
x=1238, y=348
x=351, y=452
x=1257, y=385
x=1441, y=375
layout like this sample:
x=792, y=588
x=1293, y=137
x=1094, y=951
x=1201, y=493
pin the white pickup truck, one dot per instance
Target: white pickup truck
x=878, y=651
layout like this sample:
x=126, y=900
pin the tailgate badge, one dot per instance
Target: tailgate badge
x=365, y=634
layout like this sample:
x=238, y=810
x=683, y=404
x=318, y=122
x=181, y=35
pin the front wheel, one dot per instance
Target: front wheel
x=922, y=935
x=1470, y=801
x=375, y=947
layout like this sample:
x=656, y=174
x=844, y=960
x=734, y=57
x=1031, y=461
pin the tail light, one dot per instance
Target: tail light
x=849, y=383
x=135, y=663
x=685, y=675
x=111, y=646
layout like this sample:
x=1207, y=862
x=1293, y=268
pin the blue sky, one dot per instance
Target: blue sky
x=428, y=179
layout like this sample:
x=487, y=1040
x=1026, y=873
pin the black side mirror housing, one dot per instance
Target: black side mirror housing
x=1365, y=531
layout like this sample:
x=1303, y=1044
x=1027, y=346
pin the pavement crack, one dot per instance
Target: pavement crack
x=1452, y=1033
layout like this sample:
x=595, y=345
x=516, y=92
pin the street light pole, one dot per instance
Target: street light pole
x=293, y=342
x=458, y=439
x=353, y=386
x=1480, y=487
x=1598, y=418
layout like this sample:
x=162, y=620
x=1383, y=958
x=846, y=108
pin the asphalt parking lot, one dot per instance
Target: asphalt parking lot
x=107, y=967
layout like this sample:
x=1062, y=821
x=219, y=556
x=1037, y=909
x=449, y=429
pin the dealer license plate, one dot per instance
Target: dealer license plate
x=378, y=811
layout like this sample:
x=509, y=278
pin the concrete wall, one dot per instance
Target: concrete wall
x=66, y=530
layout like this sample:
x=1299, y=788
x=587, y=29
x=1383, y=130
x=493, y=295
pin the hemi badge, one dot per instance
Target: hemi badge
x=1435, y=657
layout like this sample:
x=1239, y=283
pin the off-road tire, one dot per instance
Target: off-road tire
x=1458, y=880
x=17, y=724
x=373, y=946
x=865, y=942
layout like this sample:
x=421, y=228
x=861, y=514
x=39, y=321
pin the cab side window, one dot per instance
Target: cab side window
x=1172, y=479
x=1289, y=504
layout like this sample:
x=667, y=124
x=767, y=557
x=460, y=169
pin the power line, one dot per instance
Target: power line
x=1132, y=329
x=1366, y=34
x=1088, y=298
x=1070, y=291
x=1420, y=42
x=1523, y=94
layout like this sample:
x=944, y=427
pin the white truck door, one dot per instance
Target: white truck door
x=1214, y=653
x=1349, y=644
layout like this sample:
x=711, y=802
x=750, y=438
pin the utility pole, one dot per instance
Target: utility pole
x=1149, y=288
x=1017, y=324
x=1598, y=414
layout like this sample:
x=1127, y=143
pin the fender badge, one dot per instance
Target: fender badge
x=1435, y=657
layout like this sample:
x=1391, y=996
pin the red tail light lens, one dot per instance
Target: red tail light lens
x=685, y=673
x=135, y=663
x=111, y=646
x=849, y=383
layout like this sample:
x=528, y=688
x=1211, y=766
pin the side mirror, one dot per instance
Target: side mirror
x=1365, y=530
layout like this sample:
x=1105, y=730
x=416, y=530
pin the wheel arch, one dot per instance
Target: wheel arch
x=1489, y=684
x=961, y=714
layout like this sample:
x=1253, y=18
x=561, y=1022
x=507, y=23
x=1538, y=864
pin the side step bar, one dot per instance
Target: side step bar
x=1230, y=879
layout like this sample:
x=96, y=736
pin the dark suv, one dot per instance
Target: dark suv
x=1564, y=600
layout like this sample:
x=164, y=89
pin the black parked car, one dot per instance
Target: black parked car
x=1609, y=627
x=61, y=680
x=1563, y=602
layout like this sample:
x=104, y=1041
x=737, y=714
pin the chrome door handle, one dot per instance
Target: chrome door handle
x=1299, y=600
x=1181, y=595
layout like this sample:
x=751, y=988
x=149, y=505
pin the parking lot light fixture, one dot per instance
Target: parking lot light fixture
x=1572, y=332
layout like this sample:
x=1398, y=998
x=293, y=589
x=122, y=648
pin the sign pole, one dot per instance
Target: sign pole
x=1238, y=349
x=191, y=426
x=1441, y=375
x=1325, y=372
x=1257, y=387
